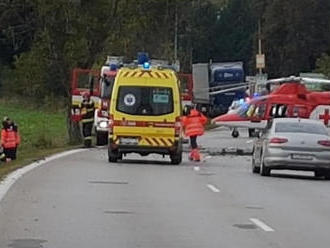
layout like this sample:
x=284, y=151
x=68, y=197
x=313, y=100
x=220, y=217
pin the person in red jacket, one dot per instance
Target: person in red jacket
x=10, y=138
x=193, y=123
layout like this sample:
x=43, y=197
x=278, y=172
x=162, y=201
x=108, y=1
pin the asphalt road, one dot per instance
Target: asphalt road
x=83, y=201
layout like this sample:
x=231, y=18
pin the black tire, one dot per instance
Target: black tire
x=264, y=170
x=176, y=159
x=113, y=156
x=101, y=138
x=255, y=169
x=318, y=173
x=251, y=132
x=87, y=143
x=235, y=133
x=327, y=175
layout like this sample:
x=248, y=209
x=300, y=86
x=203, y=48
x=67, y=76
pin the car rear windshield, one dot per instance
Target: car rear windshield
x=290, y=127
x=140, y=100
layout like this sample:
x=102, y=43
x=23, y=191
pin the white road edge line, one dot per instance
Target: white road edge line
x=15, y=175
x=213, y=188
x=262, y=225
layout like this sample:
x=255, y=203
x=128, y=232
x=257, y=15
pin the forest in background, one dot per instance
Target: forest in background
x=42, y=40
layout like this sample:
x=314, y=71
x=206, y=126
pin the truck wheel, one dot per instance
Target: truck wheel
x=101, y=139
x=235, y=133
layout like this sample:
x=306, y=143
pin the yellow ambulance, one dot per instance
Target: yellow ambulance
x=145, y=112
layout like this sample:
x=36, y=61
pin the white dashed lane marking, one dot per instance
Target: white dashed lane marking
x=262, y=225
x=213, y=188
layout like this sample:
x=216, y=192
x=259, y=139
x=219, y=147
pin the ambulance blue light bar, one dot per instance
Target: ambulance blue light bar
x=146, y=66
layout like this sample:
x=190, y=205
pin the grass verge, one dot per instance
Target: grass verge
x=43, y=132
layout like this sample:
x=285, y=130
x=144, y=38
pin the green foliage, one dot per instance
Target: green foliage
x=295, y=35
x=323, y=65
x=42, y=40
x=39, y=129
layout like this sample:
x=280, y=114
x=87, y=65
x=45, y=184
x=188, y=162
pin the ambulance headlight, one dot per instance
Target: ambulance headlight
x=103, y=124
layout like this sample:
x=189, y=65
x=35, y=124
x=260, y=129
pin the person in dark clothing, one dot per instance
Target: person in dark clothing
x=87, y=113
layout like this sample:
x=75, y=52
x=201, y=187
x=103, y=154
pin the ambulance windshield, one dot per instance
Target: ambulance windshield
x=139, y=100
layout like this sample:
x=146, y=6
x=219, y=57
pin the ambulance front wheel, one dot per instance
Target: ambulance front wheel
x=176, y=158
x=113, y=156
x=235, y=133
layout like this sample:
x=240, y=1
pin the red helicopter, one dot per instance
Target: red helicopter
x=291, y=98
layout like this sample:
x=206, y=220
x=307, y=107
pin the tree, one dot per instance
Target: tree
x=295, y=35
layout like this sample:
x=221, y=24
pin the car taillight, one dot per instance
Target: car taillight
x=278, y=140
x=111, y=123
x=177, y=126
x=324, y=143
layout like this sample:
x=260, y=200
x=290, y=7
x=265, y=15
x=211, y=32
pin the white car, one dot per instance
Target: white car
x=293, y=143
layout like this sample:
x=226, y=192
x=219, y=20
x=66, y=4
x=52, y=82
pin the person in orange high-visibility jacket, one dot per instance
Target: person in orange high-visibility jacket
x=10, y=139
x=193, y=123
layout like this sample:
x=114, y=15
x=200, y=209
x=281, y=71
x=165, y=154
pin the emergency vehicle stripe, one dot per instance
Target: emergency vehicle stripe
x=171, y=142
x=151, y=74
x=156, y=141
x=141, y=74
x=134, y=73
x=126, y=74
x=150, y=143
x=158, y=75
x=133, y=123
x=164, y=142
x=165, y=75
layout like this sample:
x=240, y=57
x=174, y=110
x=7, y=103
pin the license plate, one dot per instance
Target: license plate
x=302, y=156
x=128, y=141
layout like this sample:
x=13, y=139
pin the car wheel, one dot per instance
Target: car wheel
x=255, y=169
x=264, y=170
x=235, y=133
x=318, y=173
x=327, y=175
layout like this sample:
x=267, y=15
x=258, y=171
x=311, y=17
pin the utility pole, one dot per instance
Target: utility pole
x=176, y=33
x=259, y=43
